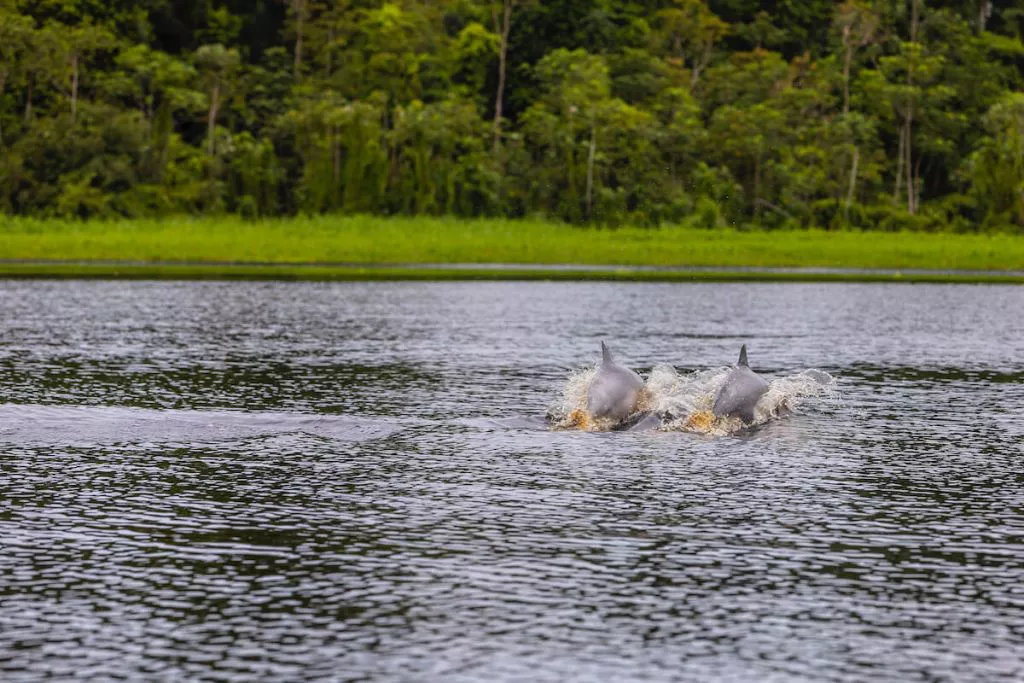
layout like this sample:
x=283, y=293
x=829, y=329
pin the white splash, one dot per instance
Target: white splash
x=684, y=401
x=569, y=410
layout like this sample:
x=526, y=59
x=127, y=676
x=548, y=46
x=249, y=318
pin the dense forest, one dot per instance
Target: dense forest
x=897, y=114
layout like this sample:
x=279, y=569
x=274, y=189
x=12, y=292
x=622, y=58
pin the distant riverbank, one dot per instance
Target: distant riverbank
x=357, y=247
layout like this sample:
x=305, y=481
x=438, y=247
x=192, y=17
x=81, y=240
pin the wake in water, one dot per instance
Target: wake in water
x=91, y=425
x=682, y=403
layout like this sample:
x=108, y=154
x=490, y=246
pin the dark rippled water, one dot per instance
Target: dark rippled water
x=353, y=481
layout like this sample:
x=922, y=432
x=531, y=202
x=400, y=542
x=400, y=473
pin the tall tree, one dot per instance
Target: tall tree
x=77, y=43
x=911, y=89
x=857, y=25
x=502, y=14
x=299, y=11
x=16, y=37
x=688, y=31
x=996, y=168
x=218, y=65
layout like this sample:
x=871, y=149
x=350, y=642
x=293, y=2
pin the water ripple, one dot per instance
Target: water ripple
x=351, y=482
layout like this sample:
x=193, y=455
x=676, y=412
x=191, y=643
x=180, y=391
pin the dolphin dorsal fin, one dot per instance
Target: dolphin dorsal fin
x=606, y=355
x=743, y=356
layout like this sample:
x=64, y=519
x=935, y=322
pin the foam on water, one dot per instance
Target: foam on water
x=684, y=401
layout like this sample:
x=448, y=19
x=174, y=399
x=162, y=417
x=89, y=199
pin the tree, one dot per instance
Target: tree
x=577, y=91
x=218, y=65
x=683, y=135
x=911, y=90
x=762, y=33
x=687, y=32
x=857, y=25
x=436, y=140
x=43, y=65
x=749, y=141
x=342, y=147
x=77, y=43
x=16, y=37
x=744, y=78
x=391, y=47
x=995, y=171
x=149, y=79
x=501, y=13
x=299, y=11
x=473, y=53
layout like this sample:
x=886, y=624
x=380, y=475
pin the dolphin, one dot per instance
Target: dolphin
x=614, y=391
x=646, y=421
x=740, y=391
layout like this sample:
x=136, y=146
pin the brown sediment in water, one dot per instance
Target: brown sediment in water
x=577, y=419
x=701, y=421
x=580, y=418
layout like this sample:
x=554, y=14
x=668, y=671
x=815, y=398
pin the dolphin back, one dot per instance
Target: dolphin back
x=739, y=394
x=614, y=391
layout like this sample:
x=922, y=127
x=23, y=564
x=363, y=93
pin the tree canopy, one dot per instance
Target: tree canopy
x=862, y=113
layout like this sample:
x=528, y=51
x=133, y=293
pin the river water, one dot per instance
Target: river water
x=283, y=481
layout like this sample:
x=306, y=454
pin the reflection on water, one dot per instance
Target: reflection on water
x=355, y=481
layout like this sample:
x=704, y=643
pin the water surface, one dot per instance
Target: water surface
x=352, y=481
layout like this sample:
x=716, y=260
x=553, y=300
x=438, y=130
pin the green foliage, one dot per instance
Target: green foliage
x=708, y=113
x=995, y=171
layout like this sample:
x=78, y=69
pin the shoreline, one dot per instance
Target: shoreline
x=327, y=272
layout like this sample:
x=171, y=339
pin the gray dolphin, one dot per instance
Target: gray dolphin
x=614, y=391
x=740, y=391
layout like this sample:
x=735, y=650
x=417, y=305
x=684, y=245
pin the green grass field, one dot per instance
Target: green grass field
x=202, y=247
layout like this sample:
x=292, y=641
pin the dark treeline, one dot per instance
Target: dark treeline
x=892, y=114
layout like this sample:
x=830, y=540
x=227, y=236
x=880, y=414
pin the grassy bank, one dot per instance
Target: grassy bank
x=378, y=241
